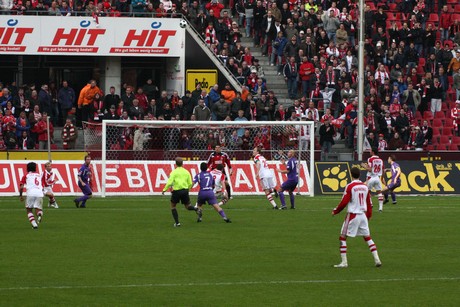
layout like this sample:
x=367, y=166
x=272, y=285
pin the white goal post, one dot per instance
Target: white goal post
x=150, y=147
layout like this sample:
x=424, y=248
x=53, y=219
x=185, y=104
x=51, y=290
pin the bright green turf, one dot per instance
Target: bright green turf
x=125, y=252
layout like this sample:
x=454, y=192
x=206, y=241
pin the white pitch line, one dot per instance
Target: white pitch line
x=237, y=283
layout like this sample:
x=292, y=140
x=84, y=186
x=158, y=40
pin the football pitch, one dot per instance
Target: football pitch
x=124, y=251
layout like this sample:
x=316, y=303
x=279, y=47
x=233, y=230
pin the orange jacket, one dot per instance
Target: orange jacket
x=87, y=95
x=228, y=95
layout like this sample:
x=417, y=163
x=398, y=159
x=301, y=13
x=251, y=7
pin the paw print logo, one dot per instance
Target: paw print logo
x=333, y=178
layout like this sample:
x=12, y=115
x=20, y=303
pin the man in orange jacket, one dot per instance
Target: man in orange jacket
x=86, y=99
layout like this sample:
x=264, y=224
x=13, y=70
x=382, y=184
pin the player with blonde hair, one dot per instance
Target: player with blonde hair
x=48, y=180
x=265, y=175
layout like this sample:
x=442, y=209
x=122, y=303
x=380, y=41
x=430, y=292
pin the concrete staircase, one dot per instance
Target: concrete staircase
x=275, y=83
x=340, y=152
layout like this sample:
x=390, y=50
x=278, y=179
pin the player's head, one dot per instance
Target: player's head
x=220, y=167
x=179, y=161
x=291, y=153
x=391, y=158
x=374, y=151
x=355, y=172
x=31, y=167
x=48, y=166
x=256, y=151
x=203, y=166
x=87, y=159
x=218, y=149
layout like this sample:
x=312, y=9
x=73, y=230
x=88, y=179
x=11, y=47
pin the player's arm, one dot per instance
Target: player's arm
x=21, y=188
x=229, y=165
x=169, y=182
x=210, y=161
x=398, y=173
x=366, y=166
x=189, y=181
x=345, y=200
x=79, y=177
x=369, y=205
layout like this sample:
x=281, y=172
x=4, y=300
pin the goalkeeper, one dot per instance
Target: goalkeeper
x=218, y=157
x=181, y=182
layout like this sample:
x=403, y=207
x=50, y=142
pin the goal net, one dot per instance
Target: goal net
x=136, y=157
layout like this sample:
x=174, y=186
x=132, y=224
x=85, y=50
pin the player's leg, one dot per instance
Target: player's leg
x=373, y=249
x=52, y=201
x=228, y=188
x=281, y=195
x=223, y=198
x=199, y=208
x=221, y=212
x=343, y=252
x=292, y=198
x=38, y=205
x=268, y=185
x=87, y=194
x=349, y=229
x=30, y=213
x=174, y=201
x=380, y=198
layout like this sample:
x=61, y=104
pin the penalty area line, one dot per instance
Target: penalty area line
x=236, y=283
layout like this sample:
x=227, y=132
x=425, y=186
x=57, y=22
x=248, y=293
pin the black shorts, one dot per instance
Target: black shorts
x=180, y=196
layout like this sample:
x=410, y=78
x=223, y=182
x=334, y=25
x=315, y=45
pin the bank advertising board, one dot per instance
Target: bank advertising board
x=108, y=36
x=417, y=177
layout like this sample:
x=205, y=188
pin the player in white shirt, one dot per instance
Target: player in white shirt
x=358, y=199
x=265, y=175
x=34, y=200
x=48, y=180
x=219, y=183
x=374, y=167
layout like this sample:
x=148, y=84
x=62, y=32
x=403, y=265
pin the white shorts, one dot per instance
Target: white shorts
x=267, y=183
x=355, y=225
x=374, y=183
x=34, y=202
x=47, y=190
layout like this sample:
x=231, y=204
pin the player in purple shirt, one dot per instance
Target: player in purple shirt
x=292, y=179
x=84, y=183
x=206, y=193
x=395, y=180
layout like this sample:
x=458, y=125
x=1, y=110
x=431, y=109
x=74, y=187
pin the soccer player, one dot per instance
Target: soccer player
x=84, y=183
x=265, y=175
x=292, y=179
x=395, y=181
x=48, y=181
x=181, y=182
x=219, y=183
x=358, y=198
x=206, y=194
x=374, y=167
x=218, y=157
x=34, y=199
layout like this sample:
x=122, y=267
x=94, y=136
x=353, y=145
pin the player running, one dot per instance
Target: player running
x=34, y=199
x=48, y=180
x=84, y=183
x=220, y=182
x=292, y=179
x=358, y=198
x=374, y=167
x=220, y=158
x=395, y=181
x=265, y=175
x=206, y=194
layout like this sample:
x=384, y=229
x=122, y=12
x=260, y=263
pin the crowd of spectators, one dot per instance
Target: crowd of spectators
x=412, y=66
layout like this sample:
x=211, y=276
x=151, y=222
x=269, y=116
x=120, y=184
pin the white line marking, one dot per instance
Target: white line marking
x=236, y=283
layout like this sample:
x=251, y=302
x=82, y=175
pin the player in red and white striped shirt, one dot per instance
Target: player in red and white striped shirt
x=218, y=157
x=358, y=199
x=34, y=200
x=48, y=180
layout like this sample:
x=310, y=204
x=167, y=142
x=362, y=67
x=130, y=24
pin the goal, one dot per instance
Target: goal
x=136, y=157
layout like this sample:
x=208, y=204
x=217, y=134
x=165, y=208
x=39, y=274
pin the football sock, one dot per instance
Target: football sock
x=52, y=200
x=282, y=199
x=222, y=214
x=175, y=215
x=270, y=199
x=372, y=248
x=223, y=202
x=292, y=199
x=39, y=212
x=393, y=196
x=343, y=249
x=31, y=217
x=380, y=197
x=229, y=190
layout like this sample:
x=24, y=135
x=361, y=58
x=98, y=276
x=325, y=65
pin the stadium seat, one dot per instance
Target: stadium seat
x=444, y=139
x=447, y=132
x=418, y=115
x=433, y=18
x=445, y=108
x=442, y=146
x=437, y=123
x=440, y=115
x=393, y=6
x=456, y=140
x=436, y=132
x=428, y=115
x=372, y=6
x=431, y=147
x=449, y=123
x=453, y=147
x=456, y=16
x=54, y=147
x=390, y=16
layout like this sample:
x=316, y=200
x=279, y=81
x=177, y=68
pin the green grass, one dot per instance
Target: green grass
x=125, y=252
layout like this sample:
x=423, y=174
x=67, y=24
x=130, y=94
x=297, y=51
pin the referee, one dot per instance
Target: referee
x=181, y=182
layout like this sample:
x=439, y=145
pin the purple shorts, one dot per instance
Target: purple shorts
x=289, y=185
x=207, y=196
x=85, y=189
x=393, y=185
